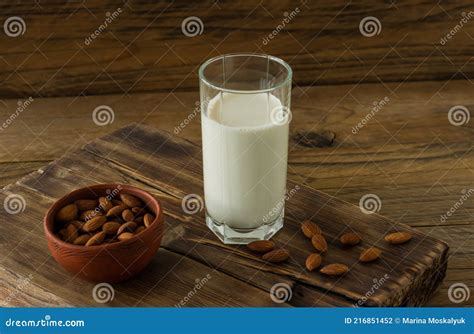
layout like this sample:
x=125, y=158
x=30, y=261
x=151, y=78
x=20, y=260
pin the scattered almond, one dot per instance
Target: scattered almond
x=130, y=200
x=67, y=213
x=277, y=255
x=335, y=269
x=127, y=227
x=319, y=243
x=261, y=246
x=111, y=228
x=313, y=261
x=398, y=238
x=309, y=228
x=86, y=204
x=370, y=254
x=96, y=239
x=350, y=239
x=125, y=236
x=94, y=224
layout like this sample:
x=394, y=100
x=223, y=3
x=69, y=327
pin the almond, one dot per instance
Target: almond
x=138, y=220
x=86, y=204
x=309, y=228
x=398, y=238
x=78, y=224
x=82, y=239
x=313, y=261
x=335, y=269
x=370, y=254
x=116, y=210
x=137, y=210
x=116, y=202
x=130, y=200
x=94, y=224
x=125, y=236
x=350, y=239
x=105, y=204
x=148, y=219
x=96, y=239
x=127, y=227
x=111, y=228
x=127, y=215
x=277, y=255
x=140, y=229
x=261, y=246
x=70, y=233
x=319, y=243
x=67, y=213
x=89, y=214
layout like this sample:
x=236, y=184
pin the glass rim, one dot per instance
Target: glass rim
x=289, y=72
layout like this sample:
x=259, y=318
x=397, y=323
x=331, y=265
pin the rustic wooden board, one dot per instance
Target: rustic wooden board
x=170, y=168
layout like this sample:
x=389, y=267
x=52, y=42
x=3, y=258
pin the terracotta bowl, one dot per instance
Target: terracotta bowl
x=111, y=262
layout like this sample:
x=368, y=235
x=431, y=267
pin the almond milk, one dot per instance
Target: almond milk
x=245, y=159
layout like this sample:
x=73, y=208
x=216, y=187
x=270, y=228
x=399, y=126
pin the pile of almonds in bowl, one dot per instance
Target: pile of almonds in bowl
x=320, y=245
x=91, y=222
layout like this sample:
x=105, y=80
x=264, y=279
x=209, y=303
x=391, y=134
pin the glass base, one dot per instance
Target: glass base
x=229, y=235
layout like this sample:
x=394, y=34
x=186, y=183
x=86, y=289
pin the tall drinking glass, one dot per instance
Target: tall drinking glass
x=245, y=116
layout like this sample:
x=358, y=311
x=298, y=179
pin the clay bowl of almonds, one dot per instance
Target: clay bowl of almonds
x=106, y=232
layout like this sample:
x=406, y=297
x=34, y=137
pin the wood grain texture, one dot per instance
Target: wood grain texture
x=169, y=168
x=145, y=50
x=409, y=154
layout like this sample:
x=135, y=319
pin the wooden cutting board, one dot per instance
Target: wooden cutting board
x=170, y=168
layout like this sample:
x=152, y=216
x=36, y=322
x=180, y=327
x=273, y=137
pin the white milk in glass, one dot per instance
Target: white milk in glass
x=245, y=159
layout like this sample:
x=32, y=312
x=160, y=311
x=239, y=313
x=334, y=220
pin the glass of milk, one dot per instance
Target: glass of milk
x=245, y=116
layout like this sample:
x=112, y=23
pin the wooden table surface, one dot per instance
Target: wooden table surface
x=410, y=155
